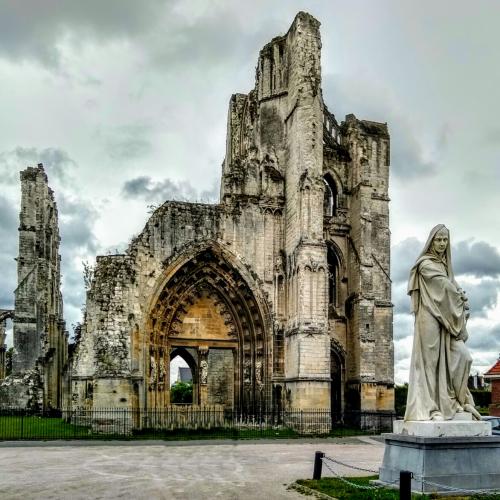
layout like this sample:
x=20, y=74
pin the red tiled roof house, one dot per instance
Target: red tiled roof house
x=493, y=374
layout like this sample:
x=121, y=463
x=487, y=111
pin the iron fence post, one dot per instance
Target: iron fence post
x=405, y=485
x=318, y=464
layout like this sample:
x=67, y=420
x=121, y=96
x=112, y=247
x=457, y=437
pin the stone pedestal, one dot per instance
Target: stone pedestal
x=446, y=428
x=456, y=454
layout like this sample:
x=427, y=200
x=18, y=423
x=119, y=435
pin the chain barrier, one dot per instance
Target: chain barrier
x=484, y=491
x=350, y=483
x=349, y=466
x=420, y=479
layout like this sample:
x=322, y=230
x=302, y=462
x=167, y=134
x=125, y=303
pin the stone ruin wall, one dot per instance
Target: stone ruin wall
x=40, y=340
x=281, y=143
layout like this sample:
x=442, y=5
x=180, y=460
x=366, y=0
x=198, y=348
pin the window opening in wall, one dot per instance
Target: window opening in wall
x=181, y=382
x=333, y=277
x=330, y=197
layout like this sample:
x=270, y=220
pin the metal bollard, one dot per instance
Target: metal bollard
x=318, y=464
x=405, y=485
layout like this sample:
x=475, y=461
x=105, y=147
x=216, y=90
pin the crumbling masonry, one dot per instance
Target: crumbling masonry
x=40, y=339
x=278, y=296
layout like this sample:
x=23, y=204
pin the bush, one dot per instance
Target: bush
x=481, y=398
x=181, y=393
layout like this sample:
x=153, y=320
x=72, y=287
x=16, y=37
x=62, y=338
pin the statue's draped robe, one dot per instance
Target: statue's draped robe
x=440, y=362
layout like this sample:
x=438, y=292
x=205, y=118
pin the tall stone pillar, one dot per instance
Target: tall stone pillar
x=307, y=357
x=40, y=340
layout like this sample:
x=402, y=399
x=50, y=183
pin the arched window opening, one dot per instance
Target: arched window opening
x=337, y=377
x=333, y=277
x=330, y=196
x=181, y=381
x=6, y=353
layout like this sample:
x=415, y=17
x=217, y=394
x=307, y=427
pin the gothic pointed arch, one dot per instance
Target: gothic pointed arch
x=331, y=195
x=336, y=273
x=337, y=373
x=205, y=303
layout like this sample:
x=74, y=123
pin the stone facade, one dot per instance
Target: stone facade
x=40, y=339
x=5, y=314
x=278, y=296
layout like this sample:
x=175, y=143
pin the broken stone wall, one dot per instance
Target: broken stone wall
x=271, y=227
x=40, y=339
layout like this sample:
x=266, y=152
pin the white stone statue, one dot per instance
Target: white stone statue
x=152, y=370
x=440, y=361
x=204, y=372
x=163, y=372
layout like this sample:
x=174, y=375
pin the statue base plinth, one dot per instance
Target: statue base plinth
x=442, y=464
x=461, y=426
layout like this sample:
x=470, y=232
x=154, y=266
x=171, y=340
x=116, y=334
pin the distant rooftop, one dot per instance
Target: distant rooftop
x=184, y=374
x=494, y=371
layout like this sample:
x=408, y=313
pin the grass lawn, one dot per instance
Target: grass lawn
x=17, y=427
x=340, y=490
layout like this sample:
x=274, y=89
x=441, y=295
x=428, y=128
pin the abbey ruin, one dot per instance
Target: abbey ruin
x=40, y=338
x=279, y=296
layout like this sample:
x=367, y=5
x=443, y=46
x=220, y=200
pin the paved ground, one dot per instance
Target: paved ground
x=202, y=470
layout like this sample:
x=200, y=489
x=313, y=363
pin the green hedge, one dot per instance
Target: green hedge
x=481, y=398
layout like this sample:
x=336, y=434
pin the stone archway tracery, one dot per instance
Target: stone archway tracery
x=207, y=305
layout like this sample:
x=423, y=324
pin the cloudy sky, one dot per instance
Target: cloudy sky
x=125, y=103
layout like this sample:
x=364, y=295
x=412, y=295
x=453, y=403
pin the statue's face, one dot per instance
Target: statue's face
x=440, y=241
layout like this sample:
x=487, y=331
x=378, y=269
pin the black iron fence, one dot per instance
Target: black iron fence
x=185, y=422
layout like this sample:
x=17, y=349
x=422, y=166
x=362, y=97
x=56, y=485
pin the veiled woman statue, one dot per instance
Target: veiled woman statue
x=440, y=361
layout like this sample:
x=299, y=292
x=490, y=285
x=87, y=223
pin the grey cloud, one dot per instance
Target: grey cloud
x=76, y=221
x=169, y=31
x=400, y=298
x=8, y=251
x=403, y=256
x=57, y=163
x=478, y=258
x=146, y=188
x=202, y=39
x=9, y=218
x=403, y=325
x=492, y=137
x=484, y=339
x=128, y=142
x=9, y=279
x=407, y=161
x=32, y=30
x=483, y=296
x=407, y=156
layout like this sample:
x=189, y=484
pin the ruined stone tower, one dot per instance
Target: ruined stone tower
x=278, y=296
x=40, y=339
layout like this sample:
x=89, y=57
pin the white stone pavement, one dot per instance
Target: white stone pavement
x=202, y=470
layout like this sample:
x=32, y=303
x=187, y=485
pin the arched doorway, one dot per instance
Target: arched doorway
x=337, y=384
x=190, y=365
x=207, y=312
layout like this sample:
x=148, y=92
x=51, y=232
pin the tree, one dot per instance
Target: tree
x=181, y=393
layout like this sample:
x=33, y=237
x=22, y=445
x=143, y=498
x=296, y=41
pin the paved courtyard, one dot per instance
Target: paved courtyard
x=226, y=470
